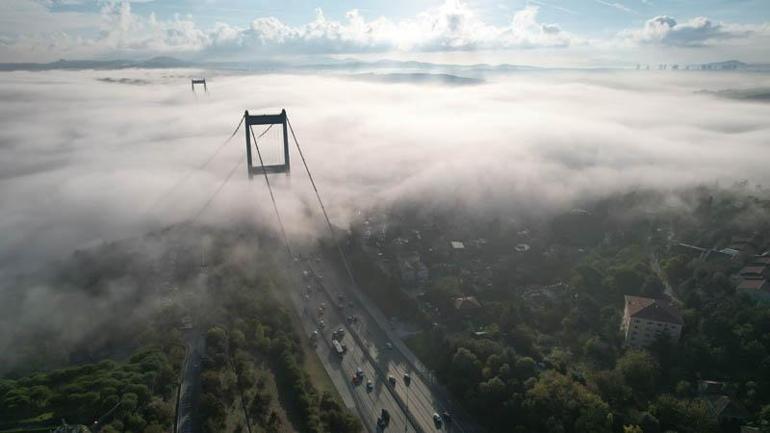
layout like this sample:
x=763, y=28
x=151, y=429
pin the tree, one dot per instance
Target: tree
x=764, y=418
x=154, y=428
x=465, y=370
x=639, y=370
x=569, y=403
x=686, y=416
x=612, y=387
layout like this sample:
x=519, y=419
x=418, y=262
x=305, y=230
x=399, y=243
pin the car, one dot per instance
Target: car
x=407, y=379
x=392, y=380
x=437, y=420
x=389, y=345
x=446, y=416
x=321, y=324
x=369, y=385
x=384, y=419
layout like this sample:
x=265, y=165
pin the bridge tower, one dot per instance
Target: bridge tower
x=266, y=119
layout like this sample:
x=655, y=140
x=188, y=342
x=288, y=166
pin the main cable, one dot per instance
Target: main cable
x=214, y=195
x=224, y=182
x=270, y=189
x=323, y=208
x=193, y=170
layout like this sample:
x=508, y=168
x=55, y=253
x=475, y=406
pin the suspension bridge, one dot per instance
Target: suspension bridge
x=418, y=399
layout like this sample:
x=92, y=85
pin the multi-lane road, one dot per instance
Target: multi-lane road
x=373, y=348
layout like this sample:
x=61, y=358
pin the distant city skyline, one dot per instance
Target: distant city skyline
x=548, y=32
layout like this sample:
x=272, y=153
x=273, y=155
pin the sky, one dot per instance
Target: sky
x=538, y=32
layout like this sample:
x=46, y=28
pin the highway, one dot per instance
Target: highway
x=374, y=349
x=367, y=404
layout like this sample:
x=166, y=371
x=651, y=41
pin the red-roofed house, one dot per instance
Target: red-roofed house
x=754, y=272
x=757, y=289
x=644, y=319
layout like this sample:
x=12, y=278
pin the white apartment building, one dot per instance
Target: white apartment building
x=646, y=318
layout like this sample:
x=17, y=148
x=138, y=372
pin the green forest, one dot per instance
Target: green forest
x=545, y=352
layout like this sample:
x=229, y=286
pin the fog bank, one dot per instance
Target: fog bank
x=87, y=154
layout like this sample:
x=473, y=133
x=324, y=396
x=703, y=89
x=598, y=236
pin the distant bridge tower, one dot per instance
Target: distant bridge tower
x=199, y=81
x=266, y=119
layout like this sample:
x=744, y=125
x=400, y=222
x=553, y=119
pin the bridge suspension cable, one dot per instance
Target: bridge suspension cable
x=227, y=179
x=270, y=188
x=190, y=172
x=323, y=208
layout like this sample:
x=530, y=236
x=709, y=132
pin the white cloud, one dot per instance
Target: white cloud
x=699, y=31
x=616, y=5
x=453, y=26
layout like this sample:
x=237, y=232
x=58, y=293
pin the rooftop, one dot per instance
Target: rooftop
x=756, y=284
x=652, y=309
x=467, y=303
x=755, y=269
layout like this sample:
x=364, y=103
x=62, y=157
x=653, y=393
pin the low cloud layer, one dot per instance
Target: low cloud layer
x=86, y=156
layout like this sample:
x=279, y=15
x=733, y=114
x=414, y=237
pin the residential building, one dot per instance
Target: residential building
x=412, y=270
x=757, y=289
x=710, y=387
x=754, y=272
x=644, y=319
x=724, y=410
x=466, y=304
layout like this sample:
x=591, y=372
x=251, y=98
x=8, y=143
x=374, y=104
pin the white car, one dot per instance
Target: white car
x=437, y=421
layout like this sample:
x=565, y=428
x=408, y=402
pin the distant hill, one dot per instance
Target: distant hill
x=155, y=62
x=761, y=94
x=726, y=65
x=418, y=78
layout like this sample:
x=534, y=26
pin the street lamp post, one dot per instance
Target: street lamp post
x=407, y=382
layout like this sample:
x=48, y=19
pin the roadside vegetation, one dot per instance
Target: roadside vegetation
x=158, y=295
x=253, y=369
x=137, y=395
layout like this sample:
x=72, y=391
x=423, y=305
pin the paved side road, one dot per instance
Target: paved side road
x=186, y=417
